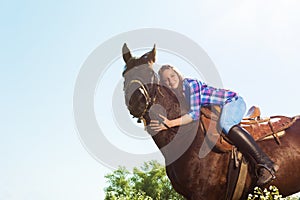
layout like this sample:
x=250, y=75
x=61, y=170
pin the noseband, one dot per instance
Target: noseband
x=146, y=94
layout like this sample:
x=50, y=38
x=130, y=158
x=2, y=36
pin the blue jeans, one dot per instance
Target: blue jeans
x=232, y=114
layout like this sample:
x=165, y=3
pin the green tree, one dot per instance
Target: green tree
x=148, y=182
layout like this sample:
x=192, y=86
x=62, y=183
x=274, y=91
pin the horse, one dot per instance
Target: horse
x=191, y=175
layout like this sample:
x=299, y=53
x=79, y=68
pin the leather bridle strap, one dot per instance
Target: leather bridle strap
x=145, y=93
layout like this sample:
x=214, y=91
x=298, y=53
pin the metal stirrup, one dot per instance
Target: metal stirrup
x=258, y=166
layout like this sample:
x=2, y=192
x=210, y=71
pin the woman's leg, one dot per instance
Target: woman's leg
x=231, y=116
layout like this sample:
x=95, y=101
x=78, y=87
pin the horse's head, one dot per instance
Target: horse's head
x=140, y=81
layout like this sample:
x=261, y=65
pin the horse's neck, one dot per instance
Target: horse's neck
x=189, y=136
x=175, y=105
x=187, y=145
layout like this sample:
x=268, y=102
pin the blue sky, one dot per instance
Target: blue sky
x=254, y=45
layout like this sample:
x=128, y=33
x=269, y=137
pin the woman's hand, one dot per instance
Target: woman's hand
x=157, y=125
x=164, y=124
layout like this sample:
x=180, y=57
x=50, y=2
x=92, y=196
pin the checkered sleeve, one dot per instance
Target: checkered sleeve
x=198, y=93
x=194, y=99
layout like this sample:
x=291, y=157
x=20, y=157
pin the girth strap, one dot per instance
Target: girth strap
x=236, y=176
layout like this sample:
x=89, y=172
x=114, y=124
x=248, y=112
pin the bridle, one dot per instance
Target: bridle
x=149, y=100
x=146, y=95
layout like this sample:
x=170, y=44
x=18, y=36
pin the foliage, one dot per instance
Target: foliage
x=148, y=182
x=272, y=193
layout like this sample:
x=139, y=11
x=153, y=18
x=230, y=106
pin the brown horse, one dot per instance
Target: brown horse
x=191, y=175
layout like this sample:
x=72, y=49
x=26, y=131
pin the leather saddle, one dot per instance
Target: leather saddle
x=260, y=128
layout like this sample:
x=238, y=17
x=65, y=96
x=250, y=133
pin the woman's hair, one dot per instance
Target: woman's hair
x=165, y=67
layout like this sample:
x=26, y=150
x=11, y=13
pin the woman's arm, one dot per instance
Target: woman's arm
x=194, y=95
x=157, y=126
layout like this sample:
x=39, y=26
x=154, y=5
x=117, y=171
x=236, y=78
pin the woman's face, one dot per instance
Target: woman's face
x=170, y=78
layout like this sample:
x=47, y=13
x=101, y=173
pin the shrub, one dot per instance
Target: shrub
x=272, y=193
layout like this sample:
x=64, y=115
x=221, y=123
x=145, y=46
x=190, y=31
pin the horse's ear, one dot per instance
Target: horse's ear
x=152, y=54
x=126, y=53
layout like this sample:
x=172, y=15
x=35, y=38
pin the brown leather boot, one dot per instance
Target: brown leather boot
x=265, y=167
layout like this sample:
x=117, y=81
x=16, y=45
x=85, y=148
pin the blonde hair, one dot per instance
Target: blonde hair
x=165, y=67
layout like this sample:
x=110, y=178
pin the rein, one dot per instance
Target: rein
x=149, y=101
x=145, y=93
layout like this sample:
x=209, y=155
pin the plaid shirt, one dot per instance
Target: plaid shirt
x=198, y=94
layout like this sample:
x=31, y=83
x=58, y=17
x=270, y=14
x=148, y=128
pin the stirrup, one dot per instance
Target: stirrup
x=271, y=170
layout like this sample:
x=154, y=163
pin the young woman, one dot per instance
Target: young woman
x=233, y=106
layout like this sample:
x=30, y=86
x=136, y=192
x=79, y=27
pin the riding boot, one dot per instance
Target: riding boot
x=265, y=167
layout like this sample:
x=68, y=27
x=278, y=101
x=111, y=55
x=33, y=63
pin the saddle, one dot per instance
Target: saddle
x=260, y=128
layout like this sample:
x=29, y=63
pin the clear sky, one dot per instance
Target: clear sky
x=253, y=44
